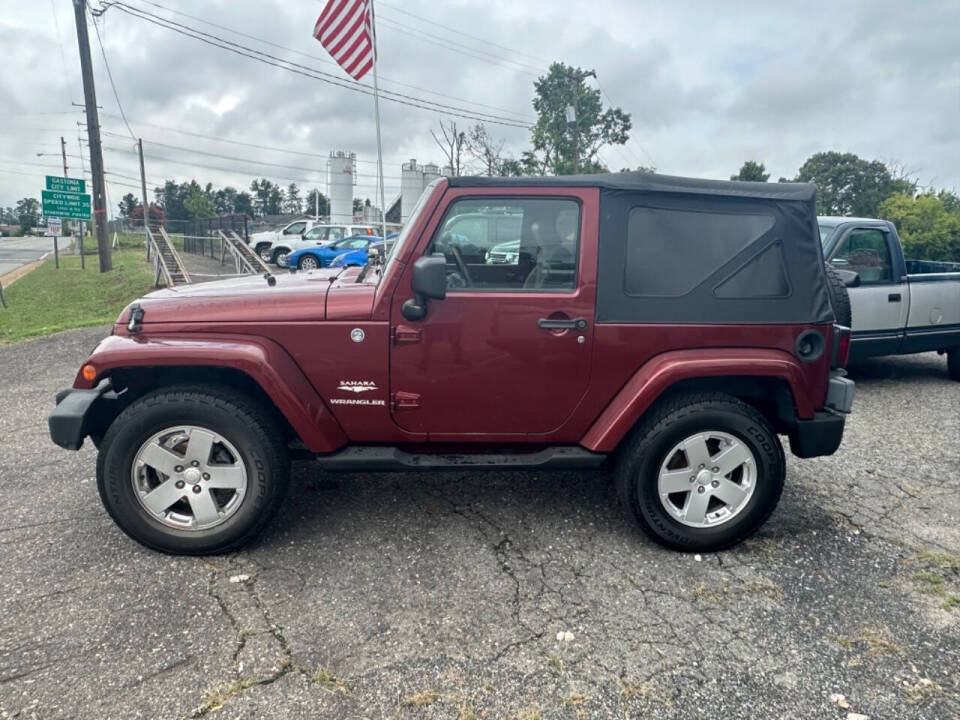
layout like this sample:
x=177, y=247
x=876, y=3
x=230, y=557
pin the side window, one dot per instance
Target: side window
x=335, y=234
x=295, y=229
x=510, y=244
x=866, y=252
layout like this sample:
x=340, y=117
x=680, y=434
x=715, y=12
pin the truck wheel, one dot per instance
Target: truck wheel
x=839, y=297
x=953, y=363
x=191, y=470
x=702, y=472
x=263, y=250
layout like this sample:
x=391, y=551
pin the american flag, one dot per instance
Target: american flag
x=345, y=29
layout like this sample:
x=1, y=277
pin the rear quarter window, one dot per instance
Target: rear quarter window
x=671, y=252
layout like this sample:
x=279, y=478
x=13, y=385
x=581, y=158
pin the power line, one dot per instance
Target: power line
x=460, y=32
x=463, y=49
x=236, y=142
x=312, y=73
x=116, y=95
x=231, y=171
x=237, y=159
x=330, y=62
x=629, y=149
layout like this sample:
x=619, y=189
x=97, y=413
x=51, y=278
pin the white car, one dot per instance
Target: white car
x=262, y=242
x=317, y=236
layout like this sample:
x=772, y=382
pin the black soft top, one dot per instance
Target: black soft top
x=684, y=250
x=650, y=182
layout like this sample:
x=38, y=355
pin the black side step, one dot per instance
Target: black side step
x=385, y=458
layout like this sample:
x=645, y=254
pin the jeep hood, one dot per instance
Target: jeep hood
x=295, y=297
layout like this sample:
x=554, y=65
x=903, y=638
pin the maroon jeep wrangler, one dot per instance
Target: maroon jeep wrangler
x=672, y=327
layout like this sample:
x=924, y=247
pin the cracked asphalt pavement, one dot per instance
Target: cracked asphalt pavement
x=441, y=595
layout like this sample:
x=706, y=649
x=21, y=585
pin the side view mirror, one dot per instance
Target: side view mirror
x=850, y=278
x=429, y=281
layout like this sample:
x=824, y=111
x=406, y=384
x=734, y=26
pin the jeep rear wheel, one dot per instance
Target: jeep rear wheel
x=702, y=472
x=192, y=470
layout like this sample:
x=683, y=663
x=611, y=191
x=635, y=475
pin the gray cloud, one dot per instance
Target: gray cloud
x=707, y=87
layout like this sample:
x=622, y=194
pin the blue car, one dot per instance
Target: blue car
x=357, y=257
x=317, y=257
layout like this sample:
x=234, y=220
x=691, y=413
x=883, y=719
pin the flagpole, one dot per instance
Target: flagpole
x=376, y=105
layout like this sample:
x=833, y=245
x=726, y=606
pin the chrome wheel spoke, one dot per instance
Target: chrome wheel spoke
x=160, y=459
x=226, y=477
x=199, y=445
x=674, y=481
x=162, y=497
x=695, y=510
x=730, y=458
x=204, y=507
x=695, y=448
x=731, y=493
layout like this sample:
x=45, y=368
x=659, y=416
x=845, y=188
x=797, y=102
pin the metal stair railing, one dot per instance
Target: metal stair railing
x=172, y=258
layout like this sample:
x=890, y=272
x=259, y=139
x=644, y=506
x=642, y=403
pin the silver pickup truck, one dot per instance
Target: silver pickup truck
x=899, y=306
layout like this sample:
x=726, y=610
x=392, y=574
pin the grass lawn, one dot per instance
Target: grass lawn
x=48, y=300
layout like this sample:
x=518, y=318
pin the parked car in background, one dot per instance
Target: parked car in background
x=262, y=242
x=317, y=236
x=507, y=253
x=358, y=257
x=310, y=258
x=591, y=349
x=898, y=305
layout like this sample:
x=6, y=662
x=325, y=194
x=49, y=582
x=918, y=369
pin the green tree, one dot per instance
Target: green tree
x=128, y=203
x=311, y=203
x=752, y=171
x=562, y=146
x=357, y=206
x=849, y=185
x=199, y=204
x=225, y=201
x=292, y=202
x=243, y=203
x=28, y=214
x=928, y=229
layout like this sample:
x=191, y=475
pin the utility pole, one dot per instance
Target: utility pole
x=93, y=135
x=146, y=205
x=571, y=114
x=63, y=151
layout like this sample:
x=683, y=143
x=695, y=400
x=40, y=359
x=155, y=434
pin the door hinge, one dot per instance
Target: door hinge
x=405, y=335
x=404, y=400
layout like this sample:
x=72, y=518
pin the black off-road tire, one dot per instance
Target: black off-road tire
x=229, y=413
x=667, y=423
x=953, y=362
x=839, y=297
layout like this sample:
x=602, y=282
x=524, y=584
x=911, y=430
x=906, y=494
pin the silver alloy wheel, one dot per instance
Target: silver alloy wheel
x=707, y=479
x=282, y=259
x=189, y=478
x=265, y=254
x=309, y=262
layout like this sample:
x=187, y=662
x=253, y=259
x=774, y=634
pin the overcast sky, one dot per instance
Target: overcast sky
x=708, y=85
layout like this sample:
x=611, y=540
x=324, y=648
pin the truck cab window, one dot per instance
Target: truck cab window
x=295, y=229
x=529, y=244
x=866, y=252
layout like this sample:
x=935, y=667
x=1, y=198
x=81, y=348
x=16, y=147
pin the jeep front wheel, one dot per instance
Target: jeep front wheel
x=702, y=472
x=190, y=470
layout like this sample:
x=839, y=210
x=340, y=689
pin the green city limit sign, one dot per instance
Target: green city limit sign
x=69, y=206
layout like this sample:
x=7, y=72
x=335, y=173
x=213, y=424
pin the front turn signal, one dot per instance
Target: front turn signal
x=88, y=372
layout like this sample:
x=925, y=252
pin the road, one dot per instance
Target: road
x=441, y=595
x=17, y=251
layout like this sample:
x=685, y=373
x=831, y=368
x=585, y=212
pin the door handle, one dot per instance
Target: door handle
x=562, y=324
x=893, y=297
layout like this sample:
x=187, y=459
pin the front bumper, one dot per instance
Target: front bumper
x=823, y=434
x=70, y=421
